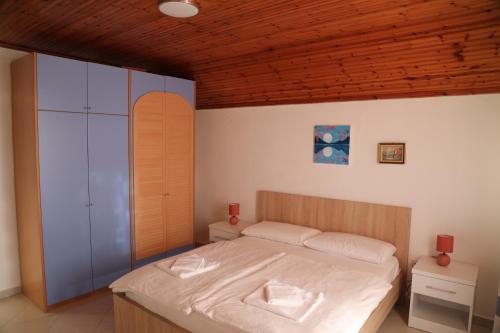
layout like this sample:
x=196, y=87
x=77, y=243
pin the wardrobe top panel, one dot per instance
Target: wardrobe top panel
x=78, y=86
x=61, y=84
x=107, y=89
x=143, y=82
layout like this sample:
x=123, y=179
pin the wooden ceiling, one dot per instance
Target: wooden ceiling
x=258, y=52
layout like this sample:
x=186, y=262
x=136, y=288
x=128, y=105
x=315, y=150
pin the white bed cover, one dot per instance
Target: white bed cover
x=198, y=322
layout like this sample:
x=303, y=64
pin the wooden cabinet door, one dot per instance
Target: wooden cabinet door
x=107, y=89
x=62, y=84
x=149, y=190
x=178, y=171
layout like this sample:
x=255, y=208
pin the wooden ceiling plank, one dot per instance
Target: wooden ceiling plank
x=388, y=19
x=347, y=43
x=256, y=51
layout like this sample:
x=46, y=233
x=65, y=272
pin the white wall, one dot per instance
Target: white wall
x=451, y=178
x=9, y=257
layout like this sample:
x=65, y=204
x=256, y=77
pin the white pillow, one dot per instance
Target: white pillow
x=352, y=246
x=281, y=232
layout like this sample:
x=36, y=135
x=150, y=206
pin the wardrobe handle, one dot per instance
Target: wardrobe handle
x=87, y=205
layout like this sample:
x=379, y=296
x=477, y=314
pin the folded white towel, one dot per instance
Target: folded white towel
x=188, y=263
x=278, y=293
x=187, y=266
x=310, y=301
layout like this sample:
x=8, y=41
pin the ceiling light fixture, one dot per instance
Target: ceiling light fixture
x=178, y=8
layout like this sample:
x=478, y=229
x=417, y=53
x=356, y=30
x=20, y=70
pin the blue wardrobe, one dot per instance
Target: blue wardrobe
x=77, y=130
x=84, y=174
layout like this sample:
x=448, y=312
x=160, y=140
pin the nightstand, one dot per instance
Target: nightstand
x=224, y=230
x=442, y=298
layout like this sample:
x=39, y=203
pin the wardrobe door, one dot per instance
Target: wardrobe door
x=149, y=191
x=65, y=204
x=62, y=84
x=109, y=197
x=181, y=87
x=143, y=83
x=107, y=89
x=179, y=171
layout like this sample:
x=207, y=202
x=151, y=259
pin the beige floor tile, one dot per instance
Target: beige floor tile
x=30, y=312
x=397, y=321
x=71, y=328
x=87, y=313
x=10, y=307
x=94, y=305
x=28, y=319
x=76, y=319
x=105, y=328
x=31, y=326
x=479, y=329
x=108, y=318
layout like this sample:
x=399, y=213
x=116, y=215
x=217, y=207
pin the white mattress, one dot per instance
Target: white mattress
x=196, y=322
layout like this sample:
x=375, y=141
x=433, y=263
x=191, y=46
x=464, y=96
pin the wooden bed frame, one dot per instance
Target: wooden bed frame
x=387, y=223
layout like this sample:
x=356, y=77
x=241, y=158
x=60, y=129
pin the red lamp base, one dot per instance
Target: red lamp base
x=234, y=220
x=443, y=259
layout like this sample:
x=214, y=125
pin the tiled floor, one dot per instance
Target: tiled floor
x=91, y=315
x=95, y=315
x=397, y=319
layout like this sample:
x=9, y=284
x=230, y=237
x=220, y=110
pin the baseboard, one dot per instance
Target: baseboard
x=10, y=292
x=482, y=321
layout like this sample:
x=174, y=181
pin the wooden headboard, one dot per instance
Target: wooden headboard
x=387, y=223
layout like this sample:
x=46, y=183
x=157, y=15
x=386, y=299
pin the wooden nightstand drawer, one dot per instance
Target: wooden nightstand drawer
x=218, y=235
x=446, y=290
x=222, y=230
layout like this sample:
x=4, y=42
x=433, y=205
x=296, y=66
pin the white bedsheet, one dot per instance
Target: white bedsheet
x=349, y=298
x=198, y=323
x=160, y=287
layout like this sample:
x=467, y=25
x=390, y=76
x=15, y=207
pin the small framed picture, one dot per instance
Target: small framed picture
x=391, y=153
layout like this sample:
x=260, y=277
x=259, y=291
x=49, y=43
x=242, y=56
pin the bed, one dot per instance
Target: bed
x=134, y=313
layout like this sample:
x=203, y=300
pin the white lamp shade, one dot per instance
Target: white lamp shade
x=178, y=8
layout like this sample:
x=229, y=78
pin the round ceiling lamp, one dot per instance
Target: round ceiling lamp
x=179, y=8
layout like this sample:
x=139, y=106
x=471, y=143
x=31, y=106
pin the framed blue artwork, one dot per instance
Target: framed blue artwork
x=331, y=144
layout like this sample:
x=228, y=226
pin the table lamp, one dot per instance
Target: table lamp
x=234, y=211
x=444, y=245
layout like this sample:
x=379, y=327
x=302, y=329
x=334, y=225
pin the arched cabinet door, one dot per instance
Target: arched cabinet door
x=163, y=173
x=149, y=160
x=178, y=171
